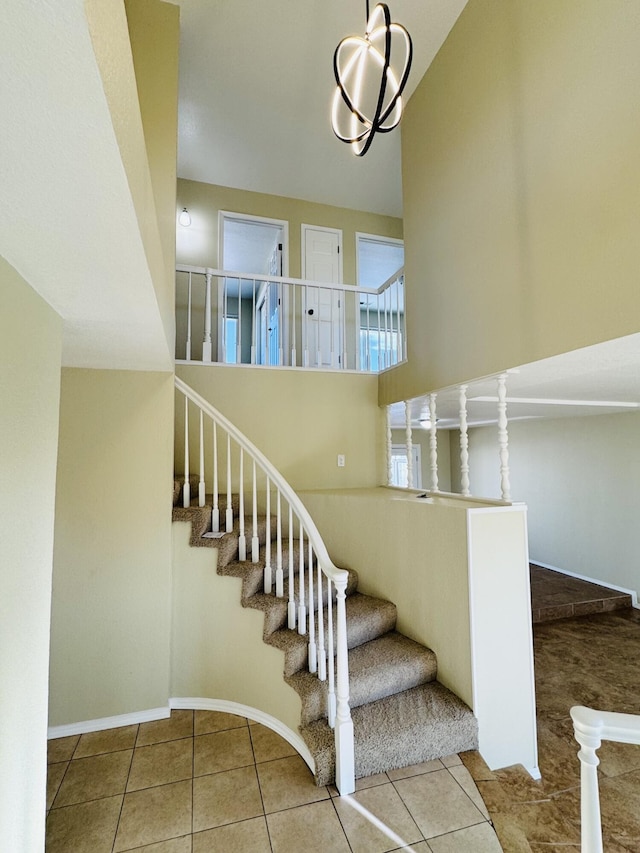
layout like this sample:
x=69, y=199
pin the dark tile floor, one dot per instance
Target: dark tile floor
x=558, y=596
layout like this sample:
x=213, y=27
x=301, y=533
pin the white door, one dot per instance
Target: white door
x=323, y=325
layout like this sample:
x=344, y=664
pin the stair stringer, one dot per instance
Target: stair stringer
x=216, y=651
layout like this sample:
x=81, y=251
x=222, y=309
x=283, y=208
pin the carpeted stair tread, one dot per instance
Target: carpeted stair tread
x=367, y=618
x=352, y=586
x=407, y=728
x=389, y=664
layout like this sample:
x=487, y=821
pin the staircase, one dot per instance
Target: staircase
x=401, y=714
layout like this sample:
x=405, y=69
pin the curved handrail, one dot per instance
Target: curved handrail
x=331, y=571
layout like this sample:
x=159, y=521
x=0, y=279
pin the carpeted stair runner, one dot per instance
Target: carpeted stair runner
x=401, y=714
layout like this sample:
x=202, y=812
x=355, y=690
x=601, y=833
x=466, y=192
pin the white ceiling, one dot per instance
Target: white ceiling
x=256, y=81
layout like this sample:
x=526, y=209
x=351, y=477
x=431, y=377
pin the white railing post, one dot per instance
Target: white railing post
x=345, y=763
x=407, y=411
x=242, y=539
x=253, y=324
x=464, y=443
x=279, y=574
x=433, y=442
x=215, y=512
x=229, y=513
x=186, y=489
x=590, y=823
x=389, y=448
x=255, y=542
x=313, y=649
x=201, y=485
x=187, y=353
x=267, y=543
x=291, y=608
x=206, y=343
x=302, y=607
x=331, y=692
x=322, y=655
x=503, y=437
x=292, y=312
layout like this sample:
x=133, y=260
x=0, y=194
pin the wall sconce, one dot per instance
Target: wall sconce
x=184, y=219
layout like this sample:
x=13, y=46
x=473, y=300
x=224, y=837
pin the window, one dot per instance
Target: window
x=377, y=259
x=400, y=468
x=230, y=340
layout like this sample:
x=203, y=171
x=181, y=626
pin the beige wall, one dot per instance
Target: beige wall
x=580, y=478
x=198, y=244
x=110, y=632
x=30, y=353
x=520, y=176
x=301, y=420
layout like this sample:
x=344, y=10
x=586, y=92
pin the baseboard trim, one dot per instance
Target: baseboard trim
x=103, y=723
x=202, y=704
x=605, y=584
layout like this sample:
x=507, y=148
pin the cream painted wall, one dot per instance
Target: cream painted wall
x=198, y=244
x=30, y=353
x=301, y=420
x=154, y=30
x=421, y=438
x=110, y=633
x=520, y=176
x=217, y=650
x=580, y=478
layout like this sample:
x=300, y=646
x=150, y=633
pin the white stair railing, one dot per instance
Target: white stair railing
x=276, y=321
x=294, y=528
x=591, y=727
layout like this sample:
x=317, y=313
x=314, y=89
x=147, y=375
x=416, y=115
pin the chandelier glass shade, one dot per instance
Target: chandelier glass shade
x=368, y=95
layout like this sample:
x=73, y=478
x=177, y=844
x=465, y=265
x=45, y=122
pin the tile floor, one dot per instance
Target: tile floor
x=558, y=596
x=203, y=782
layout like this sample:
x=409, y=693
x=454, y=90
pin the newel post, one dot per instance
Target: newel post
x=345, y=756
x=206, y=343
x=590, y=740
x=464, y=443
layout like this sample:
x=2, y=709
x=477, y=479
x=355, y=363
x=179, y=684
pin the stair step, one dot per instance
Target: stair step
x=407, y=728
x=367, y=618
x=389, y=664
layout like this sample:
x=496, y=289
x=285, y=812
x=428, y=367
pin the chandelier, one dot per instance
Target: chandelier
x=368, y=96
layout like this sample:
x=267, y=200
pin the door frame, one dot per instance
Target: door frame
x=304, y=228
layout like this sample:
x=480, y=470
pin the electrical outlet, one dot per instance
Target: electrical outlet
x=341, y=460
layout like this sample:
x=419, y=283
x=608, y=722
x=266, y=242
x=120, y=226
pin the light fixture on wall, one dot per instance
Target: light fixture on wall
x=368, y=96
x=184, y=219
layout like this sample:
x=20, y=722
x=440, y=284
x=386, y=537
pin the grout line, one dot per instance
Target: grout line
x=126, y=782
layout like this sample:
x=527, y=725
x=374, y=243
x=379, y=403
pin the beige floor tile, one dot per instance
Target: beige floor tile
x=155, y=814
x=175, y=845
x=226, y=798
x=178, y=725
x=95, y=777
x=61, y=748
x=55, y=772
x=224, y=750
x=287, y=783
x=376, y=820
x=268, y=745
x=451, y=760
x=364, y=783
x=463, y=778
x=109, y=740
x=83, y=828
x=206, y=722
x=415, y=769
x=479, y=839
x=161, y=763
x=248, y=836
x=313, y=828
x=437, y=803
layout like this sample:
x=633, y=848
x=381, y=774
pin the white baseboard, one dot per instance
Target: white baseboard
x=103, y=723
x=606, y=584
x=202, y=704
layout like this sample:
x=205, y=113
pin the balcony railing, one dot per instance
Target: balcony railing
x=233, y=318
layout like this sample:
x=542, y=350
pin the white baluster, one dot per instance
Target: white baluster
x=292, y=603
x=187, y=353
x=239, y=334
x=229, y=514
x=313, y=649
x=433, y=442
x=464, y=443
x=343, y=333
x=302, y=607
x=331, y=693
x=333, y=331
x=407, y=412
x=215, y=512
x=322, y=655
x=206, y=343
x=267, y=543
x=253, y=324
x=389, y=448
x=345, y=769
x=590, y=821
x=255, y=542
x=242, y=539
x=379, y=365
x=202, y=498
x=306, y=326
x=225, y=314
x=186, y=489
x=503, y=438
x=280, y=325
x=294, y=357
x=279, y=574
